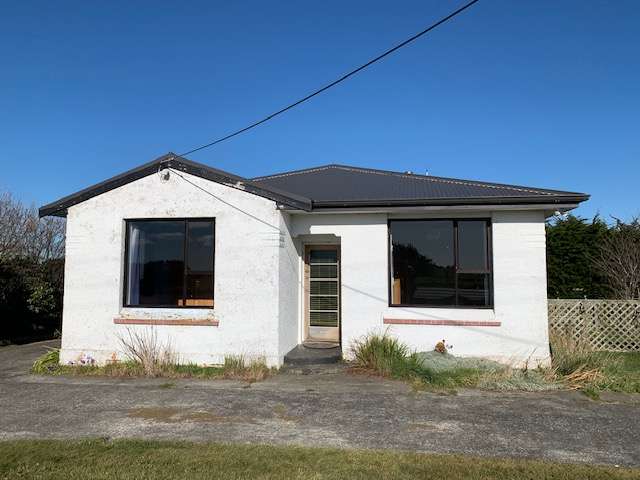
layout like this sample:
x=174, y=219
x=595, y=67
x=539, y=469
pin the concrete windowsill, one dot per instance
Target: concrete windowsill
x=452, y=323
x=196, y=322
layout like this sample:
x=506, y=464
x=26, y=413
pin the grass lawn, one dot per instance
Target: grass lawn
x=623, y=374
x=133, y=459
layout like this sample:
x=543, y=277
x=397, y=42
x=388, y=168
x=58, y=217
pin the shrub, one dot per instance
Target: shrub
x=30, y=299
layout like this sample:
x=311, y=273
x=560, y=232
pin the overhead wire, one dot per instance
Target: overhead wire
x=335, y=82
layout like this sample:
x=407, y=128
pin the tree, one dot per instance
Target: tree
x=31, y=271
x=24, y=234
x=618, y=259
x=572, y=244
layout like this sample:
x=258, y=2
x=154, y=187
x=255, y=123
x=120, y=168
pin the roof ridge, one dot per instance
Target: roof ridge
x=295, y=172
x=431, y=178
x=454, y=181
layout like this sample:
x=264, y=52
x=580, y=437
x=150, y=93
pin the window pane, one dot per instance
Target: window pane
x=323, y=319
x=323, y=256
x=320, y=287
x=319, y=302
x=200, y=238
x=324, y=271
x=423, y=262
x=156, y=263
x=472, y=246
x=473, y=289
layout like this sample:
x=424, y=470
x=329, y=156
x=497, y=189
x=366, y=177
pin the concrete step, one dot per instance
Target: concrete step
x=318, y=369
x=302, y=355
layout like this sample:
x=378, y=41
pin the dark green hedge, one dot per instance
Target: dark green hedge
x=30, y=299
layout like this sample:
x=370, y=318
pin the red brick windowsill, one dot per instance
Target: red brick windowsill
x=451, y=323
x=176, y=322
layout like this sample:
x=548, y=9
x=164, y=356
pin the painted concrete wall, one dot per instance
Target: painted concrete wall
x=247, y=260
x=289, y=288
x=258, y=278
x=519, y=286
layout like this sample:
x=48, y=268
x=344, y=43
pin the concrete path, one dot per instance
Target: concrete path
x=332, y=410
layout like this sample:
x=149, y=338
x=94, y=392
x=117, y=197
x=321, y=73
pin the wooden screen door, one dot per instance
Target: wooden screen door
x=322, y=292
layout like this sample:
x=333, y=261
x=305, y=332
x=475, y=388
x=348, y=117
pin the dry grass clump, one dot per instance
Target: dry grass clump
x=237, y=367
x=148, y=357
x=577, y=364
x=144, y=348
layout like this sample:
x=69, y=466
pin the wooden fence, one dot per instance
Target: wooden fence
x=612, y=325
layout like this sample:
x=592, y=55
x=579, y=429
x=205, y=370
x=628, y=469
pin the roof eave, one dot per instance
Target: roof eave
x=542, y=200
x=59, y=207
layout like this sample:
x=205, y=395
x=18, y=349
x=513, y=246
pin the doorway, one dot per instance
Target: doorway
x=322, y=293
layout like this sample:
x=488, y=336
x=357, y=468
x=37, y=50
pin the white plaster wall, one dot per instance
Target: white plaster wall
x=289, y=288
x=258, y=273
x=363, y=247
x=519, y=287
x=247, y=259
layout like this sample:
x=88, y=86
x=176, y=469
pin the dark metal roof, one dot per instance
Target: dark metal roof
x=171, y=160
x=333, y=186
x=337, y=186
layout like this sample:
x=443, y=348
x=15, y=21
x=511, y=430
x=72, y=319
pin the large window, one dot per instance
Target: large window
x=169, y=263
x=441, y=263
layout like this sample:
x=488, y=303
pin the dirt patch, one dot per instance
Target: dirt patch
x=282, y=413
x=180, y=415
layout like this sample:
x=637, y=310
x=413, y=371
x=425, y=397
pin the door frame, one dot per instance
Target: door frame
x=307, y=290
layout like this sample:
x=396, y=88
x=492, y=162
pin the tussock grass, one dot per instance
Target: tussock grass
x=571, y=357
x=385, y=355
x=574, y=365
x=580, y=367
x=381, y=354
x=143, y=348
x=233, y=369
x=140, y=460
x=238, y=367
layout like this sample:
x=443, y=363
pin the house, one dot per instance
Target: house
x=224, y=265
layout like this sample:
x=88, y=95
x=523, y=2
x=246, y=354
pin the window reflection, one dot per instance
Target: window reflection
x=440, y=262
x=156, y=271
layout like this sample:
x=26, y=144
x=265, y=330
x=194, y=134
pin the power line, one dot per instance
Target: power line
x=335, y=82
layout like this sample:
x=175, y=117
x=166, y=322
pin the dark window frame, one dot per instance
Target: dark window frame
x=186, y=221
x=455, y=221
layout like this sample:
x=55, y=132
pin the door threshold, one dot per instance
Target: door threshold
x=320, y=344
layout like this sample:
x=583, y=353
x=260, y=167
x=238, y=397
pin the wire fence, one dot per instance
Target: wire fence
x=612, y=325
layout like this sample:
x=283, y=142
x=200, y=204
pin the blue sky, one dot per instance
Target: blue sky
x=539, y=93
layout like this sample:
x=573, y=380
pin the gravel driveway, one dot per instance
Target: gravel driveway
x=331, y=409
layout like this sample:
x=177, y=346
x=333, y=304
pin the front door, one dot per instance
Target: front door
x=322, y=292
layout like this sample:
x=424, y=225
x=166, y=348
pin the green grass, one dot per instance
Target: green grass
x=622, y=374
x=136, y=459
x=234, y=368
x=593, y=371
x=574, y=366
x=386, y=356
